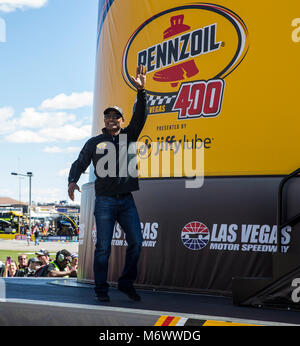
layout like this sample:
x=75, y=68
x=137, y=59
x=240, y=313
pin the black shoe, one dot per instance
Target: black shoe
x=102, y=297
x=130, y=292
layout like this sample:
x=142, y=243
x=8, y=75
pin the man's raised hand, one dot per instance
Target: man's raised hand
x=140, y=79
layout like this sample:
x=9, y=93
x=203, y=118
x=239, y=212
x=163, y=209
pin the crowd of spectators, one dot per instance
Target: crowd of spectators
x=63, y=265
x=37, y=227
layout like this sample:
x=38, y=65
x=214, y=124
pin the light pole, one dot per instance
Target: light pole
x=28, y=175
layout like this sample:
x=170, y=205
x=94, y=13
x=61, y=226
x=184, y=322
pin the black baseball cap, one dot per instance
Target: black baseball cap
x=116, y=109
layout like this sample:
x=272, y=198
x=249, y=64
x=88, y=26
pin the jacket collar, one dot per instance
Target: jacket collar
x=104, y=131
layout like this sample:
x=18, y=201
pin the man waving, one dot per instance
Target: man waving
x=114, y=201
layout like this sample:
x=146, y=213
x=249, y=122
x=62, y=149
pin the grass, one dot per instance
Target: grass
x=14, y=254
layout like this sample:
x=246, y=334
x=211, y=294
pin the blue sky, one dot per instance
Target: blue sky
x=47, y=67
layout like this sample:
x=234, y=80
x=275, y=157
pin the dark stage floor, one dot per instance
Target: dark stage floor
x=45, y=295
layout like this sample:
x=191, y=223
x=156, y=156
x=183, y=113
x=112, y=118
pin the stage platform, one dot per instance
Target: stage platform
x=66, y=302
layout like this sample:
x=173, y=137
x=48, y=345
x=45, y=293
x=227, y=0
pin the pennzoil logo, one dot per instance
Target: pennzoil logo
x=188, y=51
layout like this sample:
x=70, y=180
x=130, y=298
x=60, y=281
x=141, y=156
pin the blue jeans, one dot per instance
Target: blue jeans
x=108, y=210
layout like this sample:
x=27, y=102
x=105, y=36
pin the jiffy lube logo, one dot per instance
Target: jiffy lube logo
x=188, y=51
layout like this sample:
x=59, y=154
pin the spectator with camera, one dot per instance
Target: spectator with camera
x=10, y=269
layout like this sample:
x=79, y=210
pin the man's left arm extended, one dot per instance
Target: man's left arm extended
x=138, y=119
x=139, y=116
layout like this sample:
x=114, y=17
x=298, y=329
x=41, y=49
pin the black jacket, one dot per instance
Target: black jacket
x=93, y=150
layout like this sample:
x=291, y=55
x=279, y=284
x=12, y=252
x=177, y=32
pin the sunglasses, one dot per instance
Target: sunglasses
x=112, y=116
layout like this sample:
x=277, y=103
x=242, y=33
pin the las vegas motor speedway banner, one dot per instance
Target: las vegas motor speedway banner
x=222, y=76
x=198, y=241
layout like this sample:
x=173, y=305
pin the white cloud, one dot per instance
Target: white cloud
x=25, y=136
x=6, y=122
x=12, y=5
x=41, y=126
x=55, y=149
x=73, y=101
x=64, y=133
x=30, y=118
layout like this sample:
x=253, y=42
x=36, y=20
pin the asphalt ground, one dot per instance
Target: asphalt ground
x=21, y=245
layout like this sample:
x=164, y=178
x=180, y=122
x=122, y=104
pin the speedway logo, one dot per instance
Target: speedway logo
x=149, y=232
x=195, y=235
x=188, y=51
x=232, y=237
